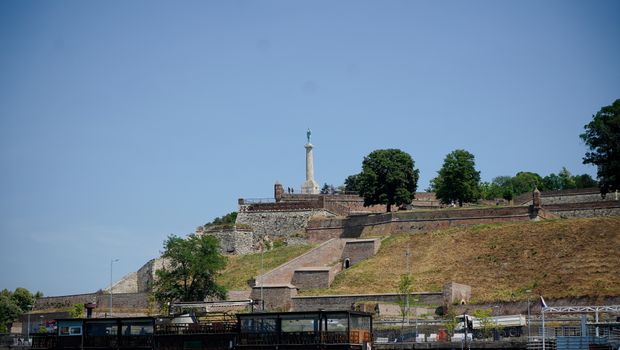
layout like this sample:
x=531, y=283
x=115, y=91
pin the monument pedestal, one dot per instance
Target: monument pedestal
x=309, y=186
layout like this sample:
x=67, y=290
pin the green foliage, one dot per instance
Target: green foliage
x=526, y=181
x=9, y=310
x=584, y=181
x=328, y=189
x=450, y=321
x=457, y=180
x=228, y=219
x=602, y=136
x=192, y=264
x=23, y=298
x=76, y=311
x=388, y=177
x=42, y=329
x=352, y=183
x=484, y=315
x=499, y=187
x=404, y=289
x=151, y=300
x=14, y=304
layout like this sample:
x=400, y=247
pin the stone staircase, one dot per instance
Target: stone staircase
x=325, y=254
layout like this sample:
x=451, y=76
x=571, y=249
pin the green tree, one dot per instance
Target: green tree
x=584, y=181
x=450, y=321
x=9, y=311
x=404, y=290
x=486, y=322
x=23, y=298
x=525, y=181
x=551, y=182
x=190, y=268
x=76, y=310
x=602, y=136
x=388, y=177
x=328, y=189
x=566, y=179
x=352, y=184
x=457, y=180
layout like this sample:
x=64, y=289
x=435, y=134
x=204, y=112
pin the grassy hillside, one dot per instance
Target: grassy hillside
x=242, y=268
x=558, y=258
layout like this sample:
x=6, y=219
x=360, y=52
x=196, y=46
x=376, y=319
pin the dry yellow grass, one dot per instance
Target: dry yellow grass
x=558, y=258
x=240, y=269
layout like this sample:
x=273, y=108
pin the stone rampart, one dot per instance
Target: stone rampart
x=357, y=250
x=456, y=293
x=275, y=297
x=313, y=277
x=411, y=221
x=580, y=195
x=278, y=223
x=146, y=274
x=233, y=240
x=344, y=302
x=585, y=210
x=127, y=284
x=119, y=300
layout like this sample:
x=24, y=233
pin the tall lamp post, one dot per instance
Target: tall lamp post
x=28, y=329
x=111, y=262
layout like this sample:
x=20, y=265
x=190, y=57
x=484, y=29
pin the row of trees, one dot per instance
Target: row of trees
x=507, y=187
x=389, y=176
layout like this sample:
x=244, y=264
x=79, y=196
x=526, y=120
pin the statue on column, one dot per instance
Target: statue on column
x=308, y=134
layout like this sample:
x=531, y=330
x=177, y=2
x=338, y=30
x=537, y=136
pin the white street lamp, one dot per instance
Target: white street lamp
x=28, y=329
x=111, y=262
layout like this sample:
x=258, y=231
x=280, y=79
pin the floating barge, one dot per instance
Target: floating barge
x=337, y=330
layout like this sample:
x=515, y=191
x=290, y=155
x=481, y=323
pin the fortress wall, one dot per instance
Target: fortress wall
x=146, y=274
x=312, y=278
x=340, y=302
x=127, y=284
x=410, y=221
x=585, y=210
x=275, y=297
x=234, y=241
x=581, y=195
x=359, y=250
x=321, y=230
x=120, y=300
x=65, y=301
x=278, y=223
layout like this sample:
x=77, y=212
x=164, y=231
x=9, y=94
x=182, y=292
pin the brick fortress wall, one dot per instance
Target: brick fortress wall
x=411, y=221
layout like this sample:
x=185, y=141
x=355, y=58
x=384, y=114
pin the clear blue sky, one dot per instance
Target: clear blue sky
x=122, y=122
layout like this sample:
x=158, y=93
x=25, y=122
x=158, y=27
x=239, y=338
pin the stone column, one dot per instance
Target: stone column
x=310, y=186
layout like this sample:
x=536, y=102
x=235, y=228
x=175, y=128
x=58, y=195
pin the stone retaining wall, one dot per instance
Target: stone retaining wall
x=278, y=223
x=343, y=302
x=234, y=240
x=407, y=221
x=120, y=300
x=580, y=195
x=358, y=250
x=311, y=278
x=585, y=210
